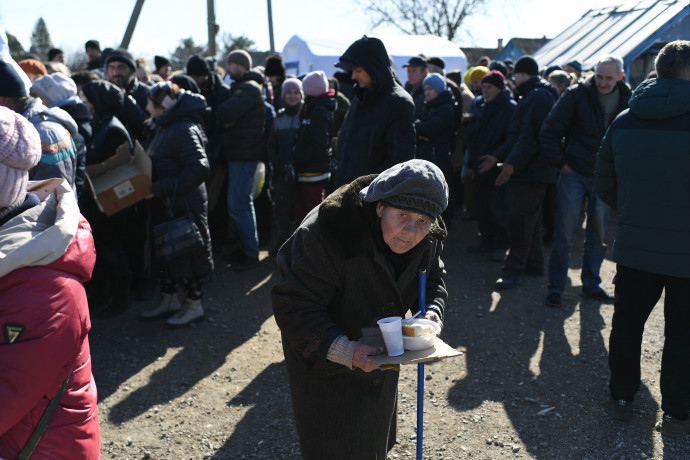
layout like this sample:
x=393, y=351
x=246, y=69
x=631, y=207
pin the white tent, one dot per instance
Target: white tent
x=304, y=54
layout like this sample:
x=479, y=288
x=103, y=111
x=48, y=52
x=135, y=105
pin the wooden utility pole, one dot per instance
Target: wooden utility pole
x=212, y=27
x=132, y=23
x=270, y=27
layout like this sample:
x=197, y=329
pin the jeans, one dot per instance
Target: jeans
x=637, y=292
x=573, y=190
x=241, y=204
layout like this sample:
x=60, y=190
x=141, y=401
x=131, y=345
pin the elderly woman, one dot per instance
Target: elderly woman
x=352, y=261
x=180, y=168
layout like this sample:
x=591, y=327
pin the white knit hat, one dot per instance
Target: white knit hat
x=20, y=150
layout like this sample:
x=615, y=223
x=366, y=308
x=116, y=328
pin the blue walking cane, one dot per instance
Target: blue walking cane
x=420, y=371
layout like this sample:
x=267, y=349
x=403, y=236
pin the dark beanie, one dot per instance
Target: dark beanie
x=11, y=84
x=274, y=67
x=256, y=76
x=186, y=83
x=120, y=55
x=92, y=44
x=494, y=78
x=160, y=61
x=198, y=66
x=415, y=185
x=526, y=64
x=500, y=66
x=54, y=52
x=437, y=61
x=240, y=57
x=550, y=69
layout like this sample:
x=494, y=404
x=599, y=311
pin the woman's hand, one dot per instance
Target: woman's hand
x=361, y=357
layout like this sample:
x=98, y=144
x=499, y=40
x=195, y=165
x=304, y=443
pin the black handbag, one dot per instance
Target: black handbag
x=176, y=237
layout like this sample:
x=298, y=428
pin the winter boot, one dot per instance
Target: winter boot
x=168, y=306
x=191, y=312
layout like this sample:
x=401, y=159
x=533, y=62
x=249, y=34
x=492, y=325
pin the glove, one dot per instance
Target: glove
x=433, y=316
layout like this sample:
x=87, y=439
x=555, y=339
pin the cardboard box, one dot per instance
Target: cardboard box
x=440, y=350
x=118, y=182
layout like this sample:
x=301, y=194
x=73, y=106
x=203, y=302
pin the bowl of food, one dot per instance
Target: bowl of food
x=419, y=333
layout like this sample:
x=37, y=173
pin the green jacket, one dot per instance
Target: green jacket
x=643, y=171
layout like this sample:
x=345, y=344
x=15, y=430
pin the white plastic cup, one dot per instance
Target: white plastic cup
x=391, y=329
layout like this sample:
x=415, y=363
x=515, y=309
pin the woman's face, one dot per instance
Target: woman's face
x=292, y=97
x=402, y=230
x=429, y=93
x=153, y=109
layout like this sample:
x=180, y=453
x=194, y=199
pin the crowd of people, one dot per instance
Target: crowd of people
x=351, y=182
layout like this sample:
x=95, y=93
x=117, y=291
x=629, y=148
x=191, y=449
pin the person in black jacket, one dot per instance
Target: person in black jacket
x=378, y=131
x=120, y=69
x=311, y=153
x=435, y=129
x=417, y=71
x=117, y=237
x=280, y=144
x=570, y=137
x=528, y=171
x=180, y=168
x=487, y=145
x=216, y=92
x=242, y=117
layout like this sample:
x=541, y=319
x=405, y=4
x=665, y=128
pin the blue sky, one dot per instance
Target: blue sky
x=163, y=23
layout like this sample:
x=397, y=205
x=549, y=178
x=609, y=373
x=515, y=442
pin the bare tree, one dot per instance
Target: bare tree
x=422, y=17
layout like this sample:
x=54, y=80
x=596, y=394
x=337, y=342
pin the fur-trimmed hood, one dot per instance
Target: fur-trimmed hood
x=345, y=205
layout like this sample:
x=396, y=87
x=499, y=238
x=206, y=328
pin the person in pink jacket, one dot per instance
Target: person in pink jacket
x=46, y=253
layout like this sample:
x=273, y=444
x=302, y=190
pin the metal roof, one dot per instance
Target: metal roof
x=627, y=29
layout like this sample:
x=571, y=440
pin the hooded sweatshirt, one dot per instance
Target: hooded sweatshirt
x=378, y=131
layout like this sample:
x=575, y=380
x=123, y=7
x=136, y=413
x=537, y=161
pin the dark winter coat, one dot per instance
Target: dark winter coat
x=282, y=139
x=417, y=95
x=242, y=119
x=133, y=113
x=341, y=108
x=378, y=131
x=536, y=97
x=216, y=92
x=82, y=117
x=642, y=172
x=311, y=153
x=488, y=133
x=180, y=166
x=108, y=132
x=575, y=126
x=334, y=280
x=435, y=127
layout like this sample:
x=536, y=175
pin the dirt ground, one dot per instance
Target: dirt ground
x=531, y=382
